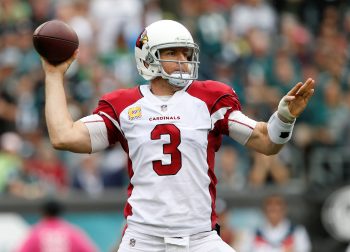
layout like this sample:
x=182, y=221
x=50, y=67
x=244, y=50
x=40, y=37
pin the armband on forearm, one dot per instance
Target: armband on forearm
x=279, y=132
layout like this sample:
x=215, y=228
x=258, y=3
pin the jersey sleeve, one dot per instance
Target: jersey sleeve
x=106, y=111
x=110, y=106
x=227, y=103
x=228, y=119
x=240, y=126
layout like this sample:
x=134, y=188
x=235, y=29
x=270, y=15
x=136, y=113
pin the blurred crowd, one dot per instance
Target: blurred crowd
x=261, y=48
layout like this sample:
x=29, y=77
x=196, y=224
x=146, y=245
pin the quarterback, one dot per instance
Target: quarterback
x=170, y=129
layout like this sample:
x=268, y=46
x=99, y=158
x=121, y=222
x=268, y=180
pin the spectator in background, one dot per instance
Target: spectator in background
x=277, y=233
x=284, y=71
x=12, y=11
x=295, y=38
x=267, y=170
x=251, y=14
x=152, y=11
x=75, y=13
x=50, y=171
x=87, y=176
x=13, y=230
x=257, y=62
x=14, y=178
x=53, y=233
x=10, y=160
x=227, y=233
x=211, y=34
x=114, y=167
x=230, y=169
x=41, y=11
x=336, y=114
x=29, y=64
x=9, y=58
x=113, y=18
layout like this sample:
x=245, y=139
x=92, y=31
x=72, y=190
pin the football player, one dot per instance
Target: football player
x=170, y=129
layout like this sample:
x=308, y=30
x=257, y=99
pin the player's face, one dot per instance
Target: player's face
x=175, y=56
x=275, y=210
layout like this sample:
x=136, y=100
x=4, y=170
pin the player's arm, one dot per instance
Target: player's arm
x=260, y=140
x=64, y=133
x=268, y=138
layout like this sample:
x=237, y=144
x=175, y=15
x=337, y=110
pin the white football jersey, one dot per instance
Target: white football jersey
x=171, y=147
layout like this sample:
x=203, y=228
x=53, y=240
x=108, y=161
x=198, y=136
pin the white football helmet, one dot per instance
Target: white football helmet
x=165, y=34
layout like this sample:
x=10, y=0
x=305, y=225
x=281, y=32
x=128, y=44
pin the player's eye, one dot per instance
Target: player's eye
x=171, y=52
x=167, y=53
x=189, y=55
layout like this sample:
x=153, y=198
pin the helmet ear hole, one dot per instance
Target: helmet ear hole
x=149, y=59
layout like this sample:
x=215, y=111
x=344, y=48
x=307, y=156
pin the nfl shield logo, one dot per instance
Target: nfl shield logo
x=132, y=242
x=163, y=108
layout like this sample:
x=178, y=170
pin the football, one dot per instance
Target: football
x=55, y=41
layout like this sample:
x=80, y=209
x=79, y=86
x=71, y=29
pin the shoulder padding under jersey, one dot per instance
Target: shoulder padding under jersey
x=122, y=98
x=211, y=92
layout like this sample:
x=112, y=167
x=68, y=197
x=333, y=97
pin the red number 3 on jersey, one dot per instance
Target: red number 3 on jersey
x=169, y=148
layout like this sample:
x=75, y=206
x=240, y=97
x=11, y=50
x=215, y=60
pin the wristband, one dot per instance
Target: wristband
x=279, y=132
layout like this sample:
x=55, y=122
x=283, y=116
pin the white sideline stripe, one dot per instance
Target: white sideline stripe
x=218, y=115
x=115, y=122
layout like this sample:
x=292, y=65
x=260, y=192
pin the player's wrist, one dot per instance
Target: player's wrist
x=53, y=76
x=279, y=132
x=286, y=119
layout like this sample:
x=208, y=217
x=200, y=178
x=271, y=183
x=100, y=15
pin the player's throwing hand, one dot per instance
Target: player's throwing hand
x=61, y=68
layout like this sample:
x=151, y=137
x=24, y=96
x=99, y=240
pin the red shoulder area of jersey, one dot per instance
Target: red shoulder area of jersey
x=211, y=92
x=122, y=98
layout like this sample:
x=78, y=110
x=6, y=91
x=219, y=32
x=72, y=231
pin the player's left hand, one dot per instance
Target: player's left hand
x=296, y=100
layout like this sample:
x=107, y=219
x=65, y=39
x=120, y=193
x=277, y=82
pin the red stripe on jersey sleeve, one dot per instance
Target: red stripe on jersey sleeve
x=244, y=124
x=113, y=133
x=113, y=104
x=221, y=126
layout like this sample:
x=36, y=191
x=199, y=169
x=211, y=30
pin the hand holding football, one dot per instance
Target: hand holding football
x=55, y=41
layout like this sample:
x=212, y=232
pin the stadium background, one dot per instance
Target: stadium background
x=260, y=48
